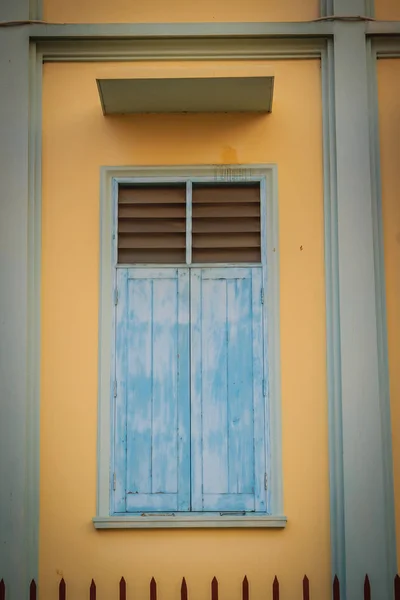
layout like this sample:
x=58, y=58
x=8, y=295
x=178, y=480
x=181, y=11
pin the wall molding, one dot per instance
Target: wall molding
x=377, y=49
x=36, y=9
x=182, y=49
x=34, y=310
x=266, y=174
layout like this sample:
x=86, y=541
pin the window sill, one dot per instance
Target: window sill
x=189, y=521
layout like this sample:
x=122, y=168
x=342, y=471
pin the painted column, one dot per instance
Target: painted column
x=14, y=70
x=366, y=543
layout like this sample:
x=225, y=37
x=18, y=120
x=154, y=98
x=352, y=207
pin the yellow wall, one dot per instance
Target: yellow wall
x=389, y=124
x=387, y=10
x=77, y=139
x=179, y=11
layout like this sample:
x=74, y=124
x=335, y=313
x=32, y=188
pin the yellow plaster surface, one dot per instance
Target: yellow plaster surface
x=387, y=10
x=77, y=140
x=179, y=11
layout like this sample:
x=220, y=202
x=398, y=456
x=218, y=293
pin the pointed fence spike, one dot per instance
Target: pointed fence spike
x=32, y=590
x=397, y=587
x=306, y=588
x=245, y=588
x=214, y=589
x=275, y=589
x=92, y=590
x=153, y=589
x=184, y=592
x=367, y=588
x=62, y=590
x=122, y=589
x=336, y=588
x=2, y=590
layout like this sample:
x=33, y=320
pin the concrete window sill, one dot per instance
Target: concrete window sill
x=172, y=521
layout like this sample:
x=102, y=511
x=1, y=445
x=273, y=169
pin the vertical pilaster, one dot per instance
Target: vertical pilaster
x=14, y=128
x=366, y=545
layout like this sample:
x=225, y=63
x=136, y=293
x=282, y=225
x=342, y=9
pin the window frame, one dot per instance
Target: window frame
x=111, y=177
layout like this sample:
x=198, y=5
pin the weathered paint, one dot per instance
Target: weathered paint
x=77, y=140
x=227, y=382
x=152, y=429
x=153, y=435
x=389, y=114
x=103, y=11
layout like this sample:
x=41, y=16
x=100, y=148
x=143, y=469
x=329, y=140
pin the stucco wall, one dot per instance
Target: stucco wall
x=387, y=10
x=77, y=140
x=389, y=124
x=177, y=11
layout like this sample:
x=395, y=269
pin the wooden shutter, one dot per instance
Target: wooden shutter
x=226, y=223
x=152, y=224
x=152, y=429
x=227, y=401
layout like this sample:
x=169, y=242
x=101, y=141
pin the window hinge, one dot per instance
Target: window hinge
x=115, y=388
x=116, y=296
x=262, y=295
x=114, y=482
x=265, y=481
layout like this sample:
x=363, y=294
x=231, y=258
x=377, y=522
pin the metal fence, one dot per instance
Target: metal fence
x=274, y=593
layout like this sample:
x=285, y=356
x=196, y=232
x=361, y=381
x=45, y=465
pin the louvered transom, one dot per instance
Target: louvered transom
x=222, y=224
x=226, y=223
x=152, y=224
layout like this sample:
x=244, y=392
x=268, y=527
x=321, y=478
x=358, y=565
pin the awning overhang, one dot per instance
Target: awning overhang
x=186, y=95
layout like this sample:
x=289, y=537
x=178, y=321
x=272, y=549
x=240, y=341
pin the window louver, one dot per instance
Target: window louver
x=226, y=223
x=152, y=224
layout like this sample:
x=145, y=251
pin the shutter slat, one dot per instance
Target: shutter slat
x=226, y=255
x=155, y=240
x=225, y=210
x=152, y=195
x=152, y=226
x=151, y=256
x=244, y=240
x=226, y=225
x=230, y=194
x=151, y=211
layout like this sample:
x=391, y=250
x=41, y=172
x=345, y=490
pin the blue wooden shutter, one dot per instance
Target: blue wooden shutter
x=228, y=421
x=152, y=419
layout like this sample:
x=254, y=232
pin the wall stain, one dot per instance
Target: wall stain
x=229, y=155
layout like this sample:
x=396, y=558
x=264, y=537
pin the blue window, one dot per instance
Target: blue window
x=190, y=382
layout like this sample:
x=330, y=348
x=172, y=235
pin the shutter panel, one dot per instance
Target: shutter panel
x=226, y=223
x=152, y=224
x=228, y=422
x=152, y=410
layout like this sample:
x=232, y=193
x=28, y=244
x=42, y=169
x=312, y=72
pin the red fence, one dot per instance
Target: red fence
x=275, y=594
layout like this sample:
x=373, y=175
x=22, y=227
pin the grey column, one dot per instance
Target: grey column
x=365, y=498
x=15, y=551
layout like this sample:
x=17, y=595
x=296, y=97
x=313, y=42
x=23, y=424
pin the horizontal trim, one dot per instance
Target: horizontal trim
x=191, y=522
x=386, y=47
x=168, y=30
x=181, y=48
x=382, y=28
x=186, y=266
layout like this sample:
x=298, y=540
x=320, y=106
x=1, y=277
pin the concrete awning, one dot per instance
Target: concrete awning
x=182, y=95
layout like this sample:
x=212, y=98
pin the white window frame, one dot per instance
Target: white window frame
x=111, y=177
